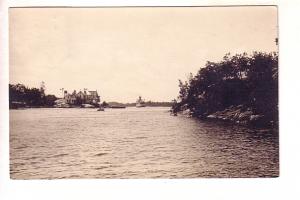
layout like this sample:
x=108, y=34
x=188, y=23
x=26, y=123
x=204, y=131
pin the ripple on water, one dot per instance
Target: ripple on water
x=135, y=143
x=101, y=154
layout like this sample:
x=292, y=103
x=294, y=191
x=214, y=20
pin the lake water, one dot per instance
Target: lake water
x=134, y=143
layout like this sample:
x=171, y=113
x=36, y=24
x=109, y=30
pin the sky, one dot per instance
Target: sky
x=128, y=52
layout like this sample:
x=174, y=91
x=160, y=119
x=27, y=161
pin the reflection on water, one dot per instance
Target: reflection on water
x=134, y=143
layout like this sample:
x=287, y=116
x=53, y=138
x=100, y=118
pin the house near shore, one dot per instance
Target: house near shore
x=79, y=98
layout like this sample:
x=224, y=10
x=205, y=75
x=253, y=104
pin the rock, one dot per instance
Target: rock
x=225, y=118
x=219, y=117
x=245, y=115
x=239, y=106
x=186, y=112
x=236, y=116
x=255, y=117
x=258, y=120
x=211, y=116
x=240, y=114
x=245, y=122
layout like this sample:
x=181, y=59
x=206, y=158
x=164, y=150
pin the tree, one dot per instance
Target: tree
x=104, y=104
x=29, y=96
x=236, y=80
x=50, y=100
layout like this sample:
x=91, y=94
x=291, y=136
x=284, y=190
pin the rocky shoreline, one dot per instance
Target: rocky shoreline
x=240, y=115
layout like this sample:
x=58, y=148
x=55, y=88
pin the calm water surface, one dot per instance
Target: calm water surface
x=134, y=143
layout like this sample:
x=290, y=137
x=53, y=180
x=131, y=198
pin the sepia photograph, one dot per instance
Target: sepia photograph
x=143, y=92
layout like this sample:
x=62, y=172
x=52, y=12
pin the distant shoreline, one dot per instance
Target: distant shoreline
x=31, y=107
x=21, y=96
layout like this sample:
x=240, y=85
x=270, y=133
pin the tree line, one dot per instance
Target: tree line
x=22, y=96
x=247, y=80
x=147, y=103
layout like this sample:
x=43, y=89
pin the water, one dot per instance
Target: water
x=134, y=143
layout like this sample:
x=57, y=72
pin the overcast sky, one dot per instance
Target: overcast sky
x=126, y=52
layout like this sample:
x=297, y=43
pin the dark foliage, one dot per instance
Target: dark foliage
x=104, y=104
x=30, y=97
x=50, y=100
x=158, y=104
x=251, y=81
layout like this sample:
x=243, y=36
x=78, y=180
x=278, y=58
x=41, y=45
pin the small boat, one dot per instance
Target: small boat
x=140, y=102
x=100, y=109
x=61, y=103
